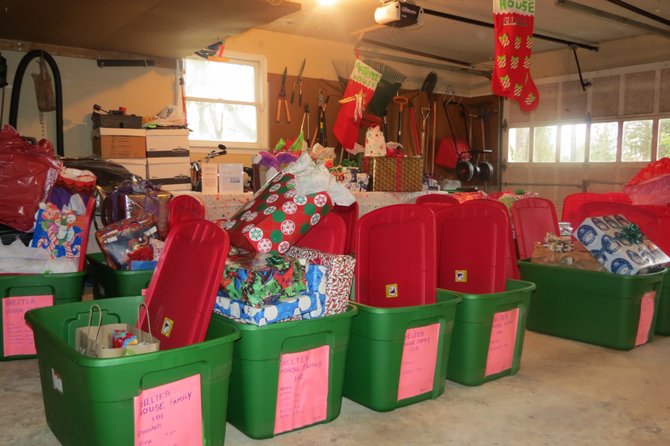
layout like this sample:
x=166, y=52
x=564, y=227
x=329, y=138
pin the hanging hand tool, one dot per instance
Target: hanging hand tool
x=320, y=130
x=425, y=113
x=282, y=102
x=401, y=101
x=415, y=133
x=298, y=84
x=305, y=132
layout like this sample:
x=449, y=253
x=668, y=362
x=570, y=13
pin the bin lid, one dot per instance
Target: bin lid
x=395, y=256
x=329, y=235
x=183, y=289
x=533, y=217
x=473, y=247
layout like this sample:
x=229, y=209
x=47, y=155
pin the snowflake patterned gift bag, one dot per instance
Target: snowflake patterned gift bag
x=276, y=217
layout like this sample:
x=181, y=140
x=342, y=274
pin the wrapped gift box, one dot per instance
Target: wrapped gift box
x=128, y=240
x=310, y=305
x=395, y=174
x=263, y=279
x=339, y=276
x=276, y=217
x=620, y=246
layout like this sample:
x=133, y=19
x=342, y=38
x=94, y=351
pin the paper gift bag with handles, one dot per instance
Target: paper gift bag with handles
x=98, y=340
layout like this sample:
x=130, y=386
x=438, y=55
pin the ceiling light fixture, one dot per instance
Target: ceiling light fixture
x=327, y=2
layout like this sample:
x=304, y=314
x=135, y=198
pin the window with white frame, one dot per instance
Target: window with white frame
x=223, y=101
x=626, y=118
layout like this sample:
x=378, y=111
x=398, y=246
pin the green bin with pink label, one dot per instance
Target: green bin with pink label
x=21, y=293
x=596, y=307
x=398, y=356
x=177, y=396
x=488, y=334
x=287, y=375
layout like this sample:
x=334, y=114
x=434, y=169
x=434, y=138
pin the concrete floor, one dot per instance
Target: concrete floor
x=566, y=393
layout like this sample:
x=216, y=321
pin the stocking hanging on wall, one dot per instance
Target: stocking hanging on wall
x=513, y=31
x=360, y=88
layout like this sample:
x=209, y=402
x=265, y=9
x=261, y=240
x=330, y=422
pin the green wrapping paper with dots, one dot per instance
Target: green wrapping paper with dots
x=263, y=279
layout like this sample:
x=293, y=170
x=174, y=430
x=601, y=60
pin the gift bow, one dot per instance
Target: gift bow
x=632, y=234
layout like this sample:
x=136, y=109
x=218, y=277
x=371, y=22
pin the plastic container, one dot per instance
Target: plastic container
x=532, y=218
x=109, y=282
x=64, y=287
x=329, y=235
x=488, y=334
x=590, y=306
x=318, y=347
x=396, y=256
x=90, y=401
x=663, y=317
x=380, y=339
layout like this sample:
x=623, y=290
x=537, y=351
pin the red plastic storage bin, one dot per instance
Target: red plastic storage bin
x=473, y=248
x=395, y=256
x=533, y=218
x=185, y=207
x=327, y=236
x=436, y=198
x=350, y=215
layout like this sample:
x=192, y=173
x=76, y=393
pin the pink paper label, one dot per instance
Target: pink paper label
x=646, y=317
x=419, y=358
x=302, y=391
x=169, y=415
x=17, y=336
x=502, y=342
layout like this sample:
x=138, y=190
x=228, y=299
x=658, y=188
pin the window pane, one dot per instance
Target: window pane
x=222, y=122
x=573, y=143
x=663, y=138
x=603, y=142
x=219, y=80
x=636, y=145
x=518, y=145
x=544, y=147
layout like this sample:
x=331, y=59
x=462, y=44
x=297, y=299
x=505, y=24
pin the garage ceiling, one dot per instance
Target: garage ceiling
x=176, y=28
x=158, y=28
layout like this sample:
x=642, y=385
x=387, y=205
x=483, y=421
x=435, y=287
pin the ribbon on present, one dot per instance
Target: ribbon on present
x=632, y=234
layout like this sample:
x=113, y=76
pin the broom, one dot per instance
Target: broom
x=343, y=69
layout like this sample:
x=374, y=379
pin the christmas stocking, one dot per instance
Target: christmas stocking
x=513, y=30
x=360, y=88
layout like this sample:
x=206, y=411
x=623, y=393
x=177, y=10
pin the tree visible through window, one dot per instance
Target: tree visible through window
x=603, y=142
x=544, y=147
x=222, y=101
x=663, y=138
x=636, y=144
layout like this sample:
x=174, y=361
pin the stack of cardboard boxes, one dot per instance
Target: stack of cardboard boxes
x=160, y=155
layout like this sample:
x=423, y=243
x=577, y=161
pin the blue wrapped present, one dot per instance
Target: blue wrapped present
x=310, y=305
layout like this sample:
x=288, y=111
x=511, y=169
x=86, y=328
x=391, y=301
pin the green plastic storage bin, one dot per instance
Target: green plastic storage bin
x=663, y=318
x=64, y=287
x=595, y=307
x=110, y=282
x=90, y=401
x=378, y=341
x=471, y=347
x=255, y=377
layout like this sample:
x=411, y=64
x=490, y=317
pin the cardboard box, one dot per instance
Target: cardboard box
x=167, y=139
x=178, y=183
x=231, y=178
x=210, y=178
x=136, y=166
x=177, y=163
x=619, y=246
x=114, y=143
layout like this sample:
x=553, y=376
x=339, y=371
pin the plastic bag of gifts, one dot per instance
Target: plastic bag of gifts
x=309, y=304
x=620, y=246
x=286, y=208
x=561, y=251
x=130, y=244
